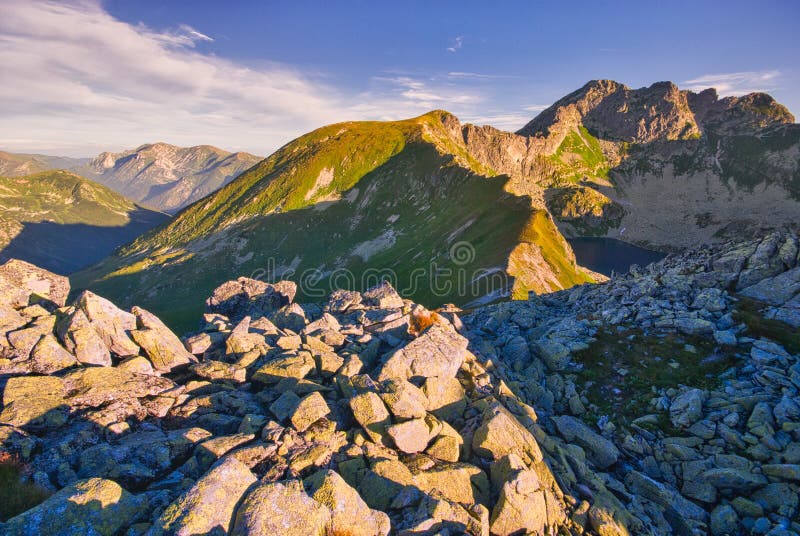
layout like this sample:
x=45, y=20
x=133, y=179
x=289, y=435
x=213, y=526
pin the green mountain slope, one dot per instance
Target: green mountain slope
x=346, y=204
x=63, y=222
x=19, y=164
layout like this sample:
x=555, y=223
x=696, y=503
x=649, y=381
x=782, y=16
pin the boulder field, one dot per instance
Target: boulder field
x=664, y=401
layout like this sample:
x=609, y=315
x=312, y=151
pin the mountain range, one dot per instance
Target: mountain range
x=157, y=175
x=483, y=212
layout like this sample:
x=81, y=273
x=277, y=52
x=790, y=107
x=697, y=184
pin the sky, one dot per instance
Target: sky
x=86, y=76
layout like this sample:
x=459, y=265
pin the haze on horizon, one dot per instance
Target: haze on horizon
x=85, y=76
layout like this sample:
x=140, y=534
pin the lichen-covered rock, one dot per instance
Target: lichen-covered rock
x=309, y=410
x=36, y=402
x=349, y=513
x=370, y=412
x=521, y=506
x=383, y=296
x=602, y=451
x=445, y=397
x=458, y=482
x=95, y=386
x=296, y=366
x=219, y=370
x=47, y=356
x=81, y=339
x=687, y=408
x=109, y=322
x=209, y=505
x=410, y=436
x=439, y=351
x=250, y=297
x=500, y=433
x=92, y=506
x=23, y=281
x=281, y=508
x=405, y=400
x=164, y=349
x=382, y=483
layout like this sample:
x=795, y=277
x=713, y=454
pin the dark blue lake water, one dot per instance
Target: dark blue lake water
x=606, y=254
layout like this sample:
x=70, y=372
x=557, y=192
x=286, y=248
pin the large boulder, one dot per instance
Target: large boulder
x=81, y=339
x=111, y=323
x=687, y=408
x=309, y=410
x=93, y=506
x=404, y=399
x=47, y=356
x=521, y=506
x=23, y=283
x=382, y=296
x=349, y=513
x=209, y=505
x=370, y=412
x=281, y=508
x=500, y=433
x=164, y=349
x=601, y=451
x=250, y=297
x=96, y=386
x=439, y=351
x=34, y=402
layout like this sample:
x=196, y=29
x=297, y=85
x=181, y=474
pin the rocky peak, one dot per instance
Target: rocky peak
x=662, y=111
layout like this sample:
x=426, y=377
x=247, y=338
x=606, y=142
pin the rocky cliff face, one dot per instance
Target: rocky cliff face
x=673, y=159
x=167, y=177
x=661, y=402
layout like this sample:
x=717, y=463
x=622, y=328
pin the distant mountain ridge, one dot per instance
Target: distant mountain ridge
x=64, y=222
x=18, y=164
x=158, y=175
x=168, y=177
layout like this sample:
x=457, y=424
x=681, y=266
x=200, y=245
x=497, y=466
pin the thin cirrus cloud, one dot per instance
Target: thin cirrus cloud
x=458, y=42
x=86, y=82
x=736, y=84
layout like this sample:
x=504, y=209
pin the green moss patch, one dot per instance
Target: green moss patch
x=749, y=312
x=16, y=495
x=623, y=367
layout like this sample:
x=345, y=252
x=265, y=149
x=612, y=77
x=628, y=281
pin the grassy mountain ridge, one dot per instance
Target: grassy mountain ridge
x=351, y=197
x=19, y=164
x=65, y=222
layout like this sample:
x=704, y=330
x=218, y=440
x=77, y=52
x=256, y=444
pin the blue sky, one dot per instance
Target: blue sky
x=251, y=76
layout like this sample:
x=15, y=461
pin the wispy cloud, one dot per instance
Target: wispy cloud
x=80, y=81
x=81, y=75
x=510, y=122
x=735, y=84
x=536, y=107
x=458, y=42
x=427, y=94
x=478, y=76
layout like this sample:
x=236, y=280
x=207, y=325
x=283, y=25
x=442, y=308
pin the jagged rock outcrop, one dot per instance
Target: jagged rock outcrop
x=663, y=401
